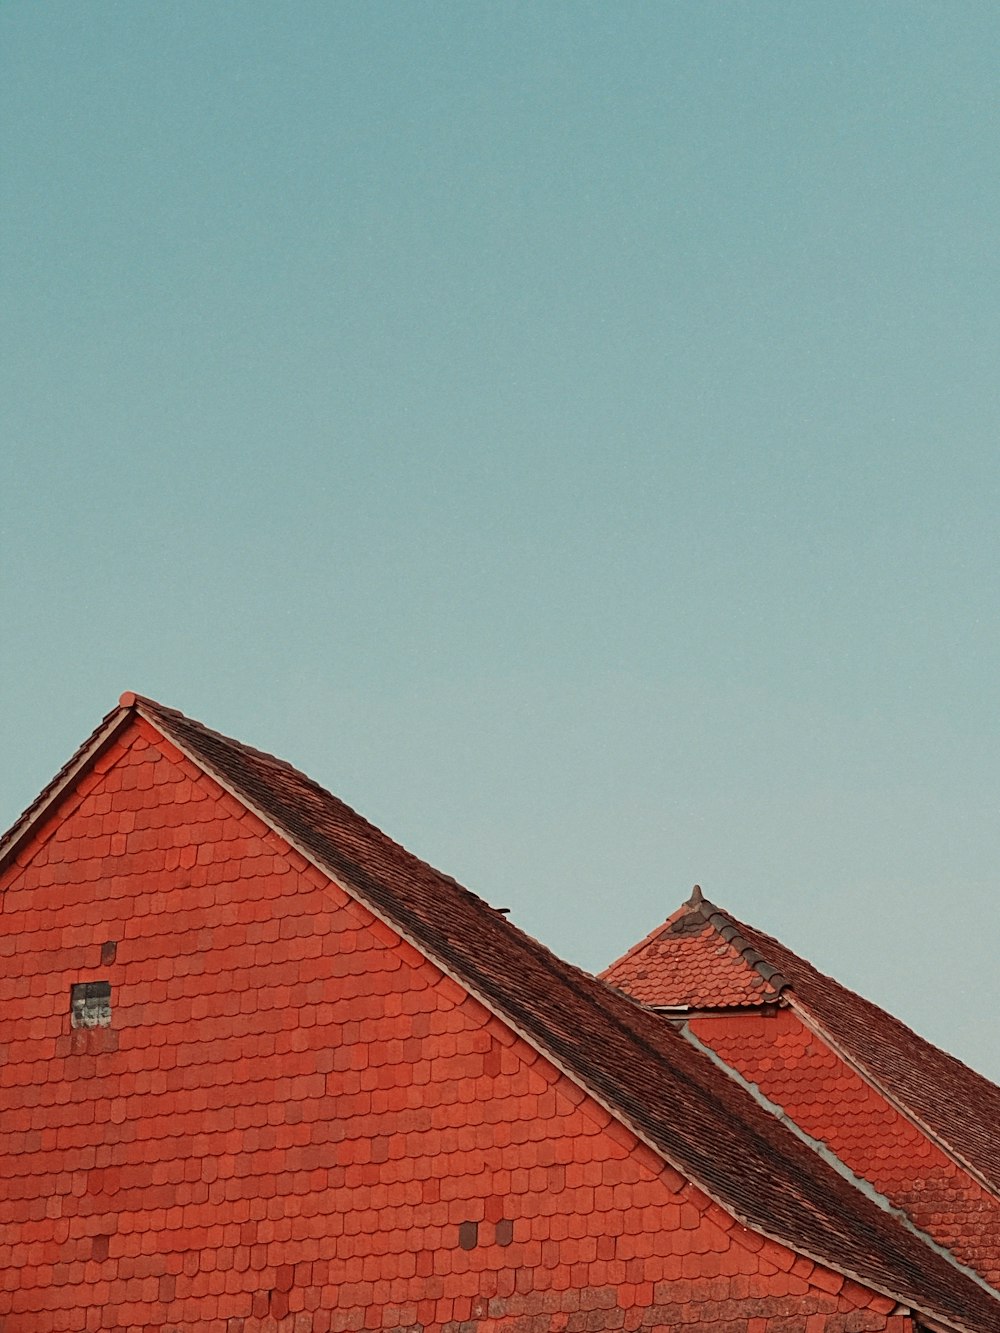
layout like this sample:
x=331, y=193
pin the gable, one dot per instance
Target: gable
x=687, y=964
x=642, y=1076
x=297, y=1121
x=938, y=1093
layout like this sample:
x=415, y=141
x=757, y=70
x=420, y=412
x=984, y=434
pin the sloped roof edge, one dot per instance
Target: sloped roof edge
x=52, y=793
x=864, y=1072
x=732, y=935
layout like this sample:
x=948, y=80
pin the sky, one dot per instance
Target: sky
x=568, y=431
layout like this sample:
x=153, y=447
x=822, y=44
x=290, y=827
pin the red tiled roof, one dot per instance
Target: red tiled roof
x=958, y=1106
x=688, y=959
x=801, y=1071
x=702, y=1122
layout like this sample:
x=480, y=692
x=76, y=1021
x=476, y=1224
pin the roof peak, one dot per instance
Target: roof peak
x=735, y=976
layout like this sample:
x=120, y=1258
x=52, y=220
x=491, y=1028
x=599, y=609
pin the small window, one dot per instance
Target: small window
x=90, y=1004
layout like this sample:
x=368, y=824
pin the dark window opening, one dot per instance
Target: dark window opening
x=90, y=1004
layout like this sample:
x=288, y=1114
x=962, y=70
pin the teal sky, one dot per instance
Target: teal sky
x=568, y=431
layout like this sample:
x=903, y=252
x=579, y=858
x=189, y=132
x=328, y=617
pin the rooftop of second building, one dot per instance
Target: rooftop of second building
x=703, y=958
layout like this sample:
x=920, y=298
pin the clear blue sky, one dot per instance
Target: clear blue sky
x=568, y=431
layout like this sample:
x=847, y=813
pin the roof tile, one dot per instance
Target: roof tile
x=807, y=1073
x=672, y=1094
x=675, y=1098
x=908, y=1067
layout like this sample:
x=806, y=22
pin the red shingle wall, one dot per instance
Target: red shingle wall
x=297, y=1124
x=796, y=1069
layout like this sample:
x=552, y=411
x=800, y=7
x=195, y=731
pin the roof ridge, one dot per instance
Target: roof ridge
x=130, y=700
x=317, y=787
x=726, y=927
x=731, y=932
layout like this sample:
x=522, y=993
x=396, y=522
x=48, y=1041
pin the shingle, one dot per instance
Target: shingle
x=907, y=1066
x=911, y=1069
x=700, y=1121
x=828, y=1032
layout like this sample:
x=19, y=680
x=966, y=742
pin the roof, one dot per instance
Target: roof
x=695, y=963
x=696, y=1117
x=909, y=1069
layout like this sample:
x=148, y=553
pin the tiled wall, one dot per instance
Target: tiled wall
x=294, y=1122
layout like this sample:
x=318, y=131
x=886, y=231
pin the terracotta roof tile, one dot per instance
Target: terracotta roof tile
x=797, y=1069
x=692, y=962
x=910, y=1069
x=958, y=1105
x=701, y=1121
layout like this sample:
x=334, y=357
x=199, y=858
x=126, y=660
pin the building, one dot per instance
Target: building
x=915, y=1123
x=262, y=1069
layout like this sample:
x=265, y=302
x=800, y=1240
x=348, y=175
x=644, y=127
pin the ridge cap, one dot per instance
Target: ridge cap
x=726, y=927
